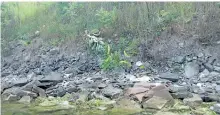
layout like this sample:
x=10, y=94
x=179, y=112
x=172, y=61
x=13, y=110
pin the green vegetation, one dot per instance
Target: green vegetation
x=124, y=24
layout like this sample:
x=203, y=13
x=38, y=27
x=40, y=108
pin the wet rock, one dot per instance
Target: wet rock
x=194, y=101
x=111, y=92
x=25, y=99
x=170, y=76
x=53, y=76
x=216, y=108
x=155, y=103
x=191, y=69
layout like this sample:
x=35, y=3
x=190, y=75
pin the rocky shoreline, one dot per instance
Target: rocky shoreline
x=193, y=78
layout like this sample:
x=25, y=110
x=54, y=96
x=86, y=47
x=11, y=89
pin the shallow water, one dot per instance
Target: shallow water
x=31, y=109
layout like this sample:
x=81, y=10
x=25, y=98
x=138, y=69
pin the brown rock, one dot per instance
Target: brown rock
x=145, y=85
x=155, y=103
x=136, y=90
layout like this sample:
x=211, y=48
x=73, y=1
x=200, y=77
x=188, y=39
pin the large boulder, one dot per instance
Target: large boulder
x=151, y=95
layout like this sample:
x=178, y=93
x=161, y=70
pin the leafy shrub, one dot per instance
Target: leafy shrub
x=112, y=60
x=106, y=18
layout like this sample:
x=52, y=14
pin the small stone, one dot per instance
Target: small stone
x=200, y=55
x=37, y=33
x=25, y=99
x=194, y=101
x=139, y=63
